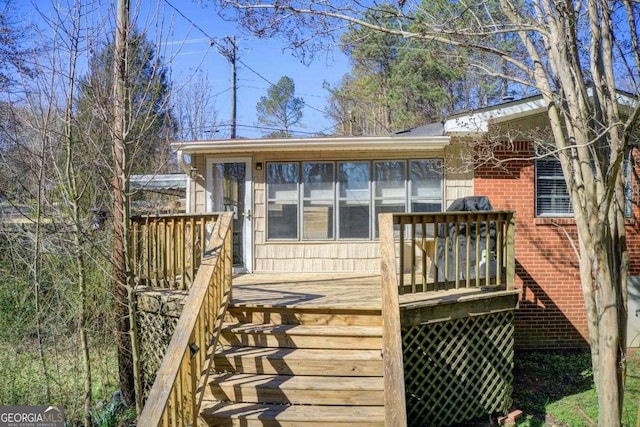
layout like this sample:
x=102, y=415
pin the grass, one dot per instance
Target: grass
x=23, y=381
x=556, y=389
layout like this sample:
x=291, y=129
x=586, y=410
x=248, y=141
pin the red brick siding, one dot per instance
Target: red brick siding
x=551, y=313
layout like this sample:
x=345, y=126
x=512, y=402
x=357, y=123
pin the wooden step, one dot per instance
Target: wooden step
x=303, y=316
x=299, y=389
x=287, y=361
x=253, y=414
x=302, y=336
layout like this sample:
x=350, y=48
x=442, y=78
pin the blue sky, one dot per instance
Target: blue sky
x=187, y=29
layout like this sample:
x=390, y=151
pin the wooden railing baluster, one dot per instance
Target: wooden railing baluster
x=176, y=395
x=457, y=259
x=167, y=249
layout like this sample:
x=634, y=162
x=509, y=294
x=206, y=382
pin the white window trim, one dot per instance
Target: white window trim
x=408, y=198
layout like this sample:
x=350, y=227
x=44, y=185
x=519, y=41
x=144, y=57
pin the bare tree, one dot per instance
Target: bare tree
x=194, y=104
x=576, y=55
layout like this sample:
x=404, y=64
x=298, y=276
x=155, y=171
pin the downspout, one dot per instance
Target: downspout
x=189, y=170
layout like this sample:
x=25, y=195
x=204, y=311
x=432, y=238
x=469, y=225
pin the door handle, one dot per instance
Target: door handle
x=247, y=214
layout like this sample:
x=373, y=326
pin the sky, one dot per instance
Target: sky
x=187, y=30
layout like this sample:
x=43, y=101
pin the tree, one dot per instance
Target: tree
x=124, y=115
x=280, y=108
x=576, y=55
x=12, y=50
x=152, y=122
x=398, y=83
x=44, y=154
x=395, y=83
x=197, y=118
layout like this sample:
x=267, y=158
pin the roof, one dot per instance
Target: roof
x=431, y=129
x=432, y=136
x=477, y=121
x=393, y=142
x=173, y=183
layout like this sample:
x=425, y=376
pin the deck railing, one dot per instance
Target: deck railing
x=176, y=395
x=452, y=250
x=430, y=252
x=166, y=250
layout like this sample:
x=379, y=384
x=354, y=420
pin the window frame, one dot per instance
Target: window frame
x=337, y=201
x=269, y=200
x=548, y=213
x=628, y=192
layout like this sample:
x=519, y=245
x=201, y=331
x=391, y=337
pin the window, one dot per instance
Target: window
x=552, y=197
x=354, y=199
x=318, y=201
x=342, y=200
x=282, y=200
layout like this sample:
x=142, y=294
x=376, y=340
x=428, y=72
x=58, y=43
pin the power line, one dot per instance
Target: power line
x=268, y=81
x=204, y=33
x=230, y=54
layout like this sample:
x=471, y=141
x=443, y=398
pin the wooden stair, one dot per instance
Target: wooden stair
x=288, y=366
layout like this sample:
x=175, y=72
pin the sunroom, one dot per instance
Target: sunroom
x=311, y=205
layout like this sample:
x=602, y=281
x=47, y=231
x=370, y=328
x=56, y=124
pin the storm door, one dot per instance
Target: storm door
x=229, y=189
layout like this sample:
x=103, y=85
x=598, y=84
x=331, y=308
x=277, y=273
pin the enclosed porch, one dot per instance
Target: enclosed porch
x=429, y=339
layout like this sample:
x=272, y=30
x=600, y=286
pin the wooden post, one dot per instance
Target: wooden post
x=393, y=364
x=511, y=251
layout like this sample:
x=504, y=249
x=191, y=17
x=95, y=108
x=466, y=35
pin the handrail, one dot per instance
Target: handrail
x=393, y=365
x=176, y=395
x=448, y=250
x=166, y=250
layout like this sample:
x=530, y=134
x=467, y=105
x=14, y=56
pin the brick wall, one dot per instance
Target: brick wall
x=551, y=313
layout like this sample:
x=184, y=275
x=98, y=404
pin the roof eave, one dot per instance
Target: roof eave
x=386, y=143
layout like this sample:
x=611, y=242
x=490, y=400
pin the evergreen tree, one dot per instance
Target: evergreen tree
x=280, y=108
x=152, y=121
x=398, y=83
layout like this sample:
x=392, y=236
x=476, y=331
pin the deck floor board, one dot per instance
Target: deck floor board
x=322, y=290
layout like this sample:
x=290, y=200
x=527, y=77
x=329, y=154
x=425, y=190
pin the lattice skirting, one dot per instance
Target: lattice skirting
x=155, y=331
x=458, y=370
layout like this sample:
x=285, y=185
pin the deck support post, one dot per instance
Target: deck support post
x=393, y=364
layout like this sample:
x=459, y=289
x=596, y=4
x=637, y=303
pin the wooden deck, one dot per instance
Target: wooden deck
x=354, y=291
x=346, y=290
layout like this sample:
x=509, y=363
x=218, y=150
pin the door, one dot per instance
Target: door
x=229, y=189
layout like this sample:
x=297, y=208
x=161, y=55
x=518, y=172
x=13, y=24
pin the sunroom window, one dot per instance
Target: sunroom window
x=342, y=200
x=282, y=200
x=354, y=200
x=318, y=200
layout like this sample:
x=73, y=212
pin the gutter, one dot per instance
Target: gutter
x=386, y=143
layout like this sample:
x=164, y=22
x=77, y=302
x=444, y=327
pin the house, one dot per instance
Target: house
x=311, y=205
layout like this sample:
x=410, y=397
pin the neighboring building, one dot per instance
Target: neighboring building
x=159, y=193
x=310, y=205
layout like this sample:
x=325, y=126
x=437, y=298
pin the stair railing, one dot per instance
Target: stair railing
x=166, y=250
x=395, y=407
x=176, y=394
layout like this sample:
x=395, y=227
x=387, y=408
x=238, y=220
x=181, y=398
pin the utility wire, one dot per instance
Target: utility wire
x=268, y=81
x=212, y=42
x=188, y=20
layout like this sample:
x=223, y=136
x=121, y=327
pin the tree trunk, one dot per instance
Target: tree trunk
x=125, y=296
